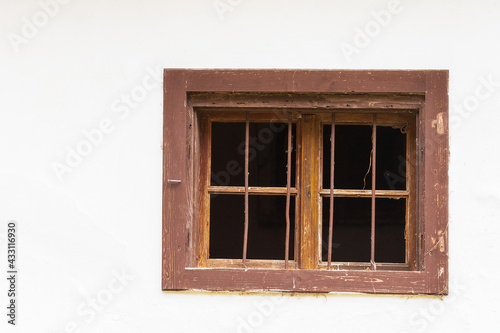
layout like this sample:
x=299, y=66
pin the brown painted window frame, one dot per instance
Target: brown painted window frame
x=321, y=92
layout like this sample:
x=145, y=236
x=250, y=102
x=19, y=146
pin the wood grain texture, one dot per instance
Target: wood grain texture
x=306, y=280
x=327, y=102
x=310, y=200
x=203, y=235
x=366, y=193
x=436, y=155
x=289, y=80
x=251, y=190
x=374, y=177
x=175, y=200
x=332, y=193
x=288, y=188
x=247, y=143
x=412, y=246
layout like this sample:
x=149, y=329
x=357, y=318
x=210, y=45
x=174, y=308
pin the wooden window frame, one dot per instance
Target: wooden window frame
x=228, y=93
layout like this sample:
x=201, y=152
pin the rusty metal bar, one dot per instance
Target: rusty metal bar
x=332, y=163
x=288, y=180
x=247, y=140
x=374, y=165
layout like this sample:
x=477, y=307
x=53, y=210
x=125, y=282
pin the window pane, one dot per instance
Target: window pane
x=353, y=145
x=390, y=218
x=351, y=229
x=266, y=226
x=267, y=154
x=228, y=154
x=227, y=221
x=268, y=143
x=391, y=158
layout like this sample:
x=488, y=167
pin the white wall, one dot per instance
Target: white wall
x=104, y=217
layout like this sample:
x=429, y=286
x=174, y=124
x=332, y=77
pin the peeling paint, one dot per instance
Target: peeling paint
x=438, y=123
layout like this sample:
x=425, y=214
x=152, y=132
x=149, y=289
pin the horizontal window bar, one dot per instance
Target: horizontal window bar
x=346, y=266
x=251, y=190
x=236, y=263
x=365, y=193
x=280, y=264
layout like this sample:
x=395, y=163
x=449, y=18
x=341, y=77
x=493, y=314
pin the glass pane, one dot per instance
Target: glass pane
x=390, y=220
x=267, y=155
x=391, y=158
x=227, y=221
x=351, y=229
x=353, y=145
x=266, y=227
x=228, y=154
x=268, y=143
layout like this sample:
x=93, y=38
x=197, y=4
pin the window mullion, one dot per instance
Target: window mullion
x=310, y=198
x=245, y=236
x=374, y=164
x=288, y=180
x=332, y=173
x=203, y=243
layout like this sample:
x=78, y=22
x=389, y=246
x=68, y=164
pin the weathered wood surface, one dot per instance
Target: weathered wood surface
x=388, y=93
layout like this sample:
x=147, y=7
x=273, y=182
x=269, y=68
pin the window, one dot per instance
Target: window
x=305, y=181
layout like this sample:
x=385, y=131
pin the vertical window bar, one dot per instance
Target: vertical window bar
x=332, y=163
x=247, y=140
x=374, y=164
x=288, y=177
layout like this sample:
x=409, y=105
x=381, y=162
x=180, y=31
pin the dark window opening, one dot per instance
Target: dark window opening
x=267, y=154
x=226, y=226
x=391, y=158
x=228, y=154
x=351, y=229
x=267, y=227
x=390, y=230
x=352, y=215
x=267, y=167
x=353, y=145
